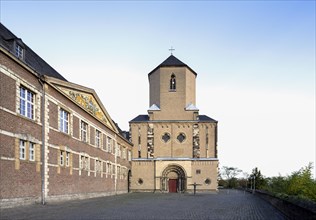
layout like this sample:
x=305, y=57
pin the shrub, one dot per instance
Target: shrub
x=300, y=184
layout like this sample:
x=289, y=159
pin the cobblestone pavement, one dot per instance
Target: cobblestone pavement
x=227, y=204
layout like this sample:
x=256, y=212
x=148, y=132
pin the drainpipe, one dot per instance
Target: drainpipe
x=154, y=175
x=42, y=82
x=115, y=161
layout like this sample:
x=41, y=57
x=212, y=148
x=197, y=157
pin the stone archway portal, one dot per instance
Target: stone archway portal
x=173, y=179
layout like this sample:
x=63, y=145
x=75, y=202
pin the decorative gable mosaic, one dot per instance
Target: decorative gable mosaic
x=88, y=102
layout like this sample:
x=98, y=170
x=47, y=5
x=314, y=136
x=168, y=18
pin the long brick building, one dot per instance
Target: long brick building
x=57, y=140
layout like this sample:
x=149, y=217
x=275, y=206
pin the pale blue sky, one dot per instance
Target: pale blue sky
x=255, y=62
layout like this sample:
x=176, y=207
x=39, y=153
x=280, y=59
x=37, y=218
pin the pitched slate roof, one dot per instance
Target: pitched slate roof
x=172, y=61
x=201, y=118
x=31, y=59
x=141, y=118
x=124, y=134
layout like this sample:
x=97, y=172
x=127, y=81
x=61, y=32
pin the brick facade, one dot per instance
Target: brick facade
x=37, y=155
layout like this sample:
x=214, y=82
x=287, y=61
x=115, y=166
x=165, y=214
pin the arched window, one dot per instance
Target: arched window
x=173, y=82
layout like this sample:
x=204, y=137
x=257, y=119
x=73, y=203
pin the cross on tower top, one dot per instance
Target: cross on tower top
x=171, y=49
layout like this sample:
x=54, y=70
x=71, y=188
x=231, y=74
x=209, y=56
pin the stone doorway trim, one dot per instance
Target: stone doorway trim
x=176, y=175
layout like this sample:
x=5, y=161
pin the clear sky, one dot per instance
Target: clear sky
x=255, y=62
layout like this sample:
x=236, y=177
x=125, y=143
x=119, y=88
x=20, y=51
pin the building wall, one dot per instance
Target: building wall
x=207, y=133
x=172, y=103
x=206, y=164
x=202, y=172
x=143, y=176
x=190, y=90
x=173, y=147
x=20, y=182
x=154, y=88
x=189, y=155
x=16, y=173
x=205, y=174
x=139, y=139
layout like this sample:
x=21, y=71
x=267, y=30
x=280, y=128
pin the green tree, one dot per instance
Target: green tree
x=257, y=179
x=301, y=183
x=230, y=174
x=277, y=184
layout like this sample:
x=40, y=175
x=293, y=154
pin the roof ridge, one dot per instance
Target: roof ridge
x=31, y=58
x=172, y=61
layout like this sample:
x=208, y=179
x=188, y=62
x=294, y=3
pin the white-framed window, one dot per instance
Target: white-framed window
x=19, y=51
x=87, y=164
x=26, y=103
x=61, y=158
x=81, y=162
x=67, y=159
x=129, y=155
x=84, y=163
x=118, y=150
x=98, y=138
x=109, y=144
x=118, y=171
x=113, y=169
x=32, y=151
x=98, y=166
x=84, y=131
x=63, y=121
x=108, y=168
x=64, y=158
x=22, y=150
x=124, y=153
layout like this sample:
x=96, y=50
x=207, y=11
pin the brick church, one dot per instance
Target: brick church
x=175, y=145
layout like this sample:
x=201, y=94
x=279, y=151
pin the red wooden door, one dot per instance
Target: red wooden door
x=172, y=185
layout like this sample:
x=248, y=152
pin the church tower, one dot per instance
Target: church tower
x=172, y=90
x=174, y=146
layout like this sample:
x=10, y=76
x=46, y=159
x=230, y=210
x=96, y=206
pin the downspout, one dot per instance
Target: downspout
x=154, y=175
x=115, y=161
x=42, y=82
x=216, y=133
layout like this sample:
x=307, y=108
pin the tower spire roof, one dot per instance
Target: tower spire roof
x=172, y=61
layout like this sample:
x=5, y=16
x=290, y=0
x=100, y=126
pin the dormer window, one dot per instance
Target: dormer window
x=19, y=51
x=173, y=83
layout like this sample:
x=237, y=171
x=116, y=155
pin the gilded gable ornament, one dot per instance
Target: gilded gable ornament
x=87, y=102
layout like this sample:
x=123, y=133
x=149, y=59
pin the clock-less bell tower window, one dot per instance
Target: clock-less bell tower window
x=173, y=83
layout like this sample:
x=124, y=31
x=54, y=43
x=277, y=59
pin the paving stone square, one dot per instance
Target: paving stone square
x=226, y=204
